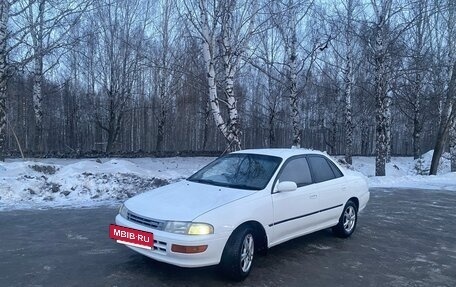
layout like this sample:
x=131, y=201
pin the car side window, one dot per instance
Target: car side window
x=296, y=170
x=321, y=170
x=335, y=169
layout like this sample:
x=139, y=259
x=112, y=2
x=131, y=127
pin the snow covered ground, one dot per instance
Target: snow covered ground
x=405, y=172
x=87, y=182
x=44, y=183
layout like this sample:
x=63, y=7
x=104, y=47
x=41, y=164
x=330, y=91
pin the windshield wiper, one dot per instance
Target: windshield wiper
x=208, y=181
x=243, y=186
x=224, y=184
x=199, y=180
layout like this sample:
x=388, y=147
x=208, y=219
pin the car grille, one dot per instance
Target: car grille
x=159, y=246
x=152, y=223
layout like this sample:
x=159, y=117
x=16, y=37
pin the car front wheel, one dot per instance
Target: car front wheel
x=347, y=220
x=237, y=258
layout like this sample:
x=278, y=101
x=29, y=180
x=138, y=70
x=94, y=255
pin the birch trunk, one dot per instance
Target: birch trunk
x=206, y=115
x=233, y=41
x=272, y=112
x=163, y=74
x=208, y=55
x=114, y=125
x=292, y=77
x=294, y=101
x=234, y=131
x=37, y=37
x=382, y=96
x=4, y=11
x=348, y=80
x=233, y=49
x=453, y=146
x=38, y=102
x=388, y=101
x=162, y=112
x=160, y=131
x=381, y=111
x=417, y=124
x=229, y=65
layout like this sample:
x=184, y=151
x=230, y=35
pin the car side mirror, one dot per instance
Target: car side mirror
x=285, y=186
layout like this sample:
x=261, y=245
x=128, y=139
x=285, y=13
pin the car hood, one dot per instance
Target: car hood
x=183, y=201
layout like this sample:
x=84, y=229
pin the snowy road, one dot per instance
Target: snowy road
x=404, y=238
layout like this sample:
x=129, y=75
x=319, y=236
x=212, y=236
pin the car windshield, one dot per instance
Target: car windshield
x=244, y=171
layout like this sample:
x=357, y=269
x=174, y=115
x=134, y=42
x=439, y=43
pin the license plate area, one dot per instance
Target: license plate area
x=131, y=236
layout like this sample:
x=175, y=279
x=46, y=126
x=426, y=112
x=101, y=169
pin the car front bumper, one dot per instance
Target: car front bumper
x=363, y=201
x=163, y=241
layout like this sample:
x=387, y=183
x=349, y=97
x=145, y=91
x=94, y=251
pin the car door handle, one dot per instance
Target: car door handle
x=313, y=196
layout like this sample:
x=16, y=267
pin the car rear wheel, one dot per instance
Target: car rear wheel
x=347, y=221
x=238, y=255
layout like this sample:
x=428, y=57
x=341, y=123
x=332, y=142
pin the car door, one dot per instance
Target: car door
x=293, y=210
x=329, y=187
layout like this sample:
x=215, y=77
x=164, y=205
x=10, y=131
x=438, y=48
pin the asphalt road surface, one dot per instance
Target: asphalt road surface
x=403, y=238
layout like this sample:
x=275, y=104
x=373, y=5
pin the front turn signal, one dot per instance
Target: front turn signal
x=188, y=249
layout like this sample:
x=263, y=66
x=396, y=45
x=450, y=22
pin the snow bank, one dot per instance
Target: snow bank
x=402, y=166
x=56, y=182
x=405, y=172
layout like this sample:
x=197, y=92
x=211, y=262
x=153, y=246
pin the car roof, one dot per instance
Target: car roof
x=282, y=152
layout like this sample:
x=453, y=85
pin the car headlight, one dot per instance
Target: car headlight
x=123, y=211
x=189, y=228
x=200, y=229
x=176, y=227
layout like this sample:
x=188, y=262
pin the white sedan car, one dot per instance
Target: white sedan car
x=241, y=204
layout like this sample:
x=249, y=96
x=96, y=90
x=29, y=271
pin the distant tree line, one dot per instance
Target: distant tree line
x=113, y=77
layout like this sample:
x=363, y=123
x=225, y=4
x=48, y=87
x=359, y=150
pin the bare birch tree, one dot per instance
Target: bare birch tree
x=447, y=120
x=49, y=22
x=37, y=34
x=291, y=43
x=6, y=36
x=287, y=25
x=382, y=11
x=235, y=35
x=417, y=76
x=287, y=17
x=420, y=39
x=166, y=61
x=412, y=94
x=206, y=25
x=348, y=81
x=273, y=98
x=217, y=21
x=448, y=112
x=4, y=14
x=164, y=72
x=121, y=29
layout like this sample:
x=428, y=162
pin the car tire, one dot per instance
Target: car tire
x=238, y=255
x=347, y=220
